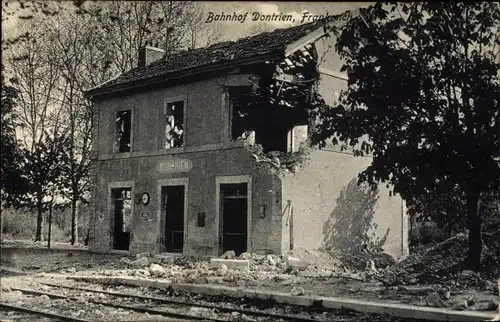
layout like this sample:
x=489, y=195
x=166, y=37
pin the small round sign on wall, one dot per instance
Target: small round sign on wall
x=145, y=198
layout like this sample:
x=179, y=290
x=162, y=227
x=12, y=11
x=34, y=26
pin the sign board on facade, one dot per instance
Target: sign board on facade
x=177, y=165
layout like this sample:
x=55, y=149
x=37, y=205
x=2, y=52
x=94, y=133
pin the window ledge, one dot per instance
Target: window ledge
x=180, y=150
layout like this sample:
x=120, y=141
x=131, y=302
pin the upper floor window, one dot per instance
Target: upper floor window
x=123, y=131
x=239, y=116
x=174, y=124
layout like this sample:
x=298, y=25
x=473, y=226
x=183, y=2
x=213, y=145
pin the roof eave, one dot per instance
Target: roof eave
x=190, y=72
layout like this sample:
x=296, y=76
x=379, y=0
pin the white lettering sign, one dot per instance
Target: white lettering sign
x=179, y=165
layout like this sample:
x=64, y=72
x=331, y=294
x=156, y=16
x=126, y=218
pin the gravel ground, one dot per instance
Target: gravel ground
x=262, y=276
x=87, y=310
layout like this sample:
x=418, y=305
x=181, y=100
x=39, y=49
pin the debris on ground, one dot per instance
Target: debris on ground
x=429, y=277
x=434, y=300
x=440, y=264
x=140, y=262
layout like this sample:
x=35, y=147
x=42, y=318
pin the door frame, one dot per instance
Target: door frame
x=111, y=212
x=228, y=180
x=161, y=228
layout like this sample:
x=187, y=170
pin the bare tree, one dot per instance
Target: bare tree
x=199, y=33
x=70, y=37
x=129, y=25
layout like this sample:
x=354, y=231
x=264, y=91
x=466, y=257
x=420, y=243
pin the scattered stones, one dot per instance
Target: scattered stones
x=460, y=305
x=222, y=270
x=245, y=255
x=434, y=300
x=191, y=276
x=156, y=270
x=230, y=263
x=125, y=260
x=297, y=291
x=164, y=259
x=485, y=306
x=230, y=254
x=271, y=260
x=142, y=255
x=141, y=262
x=297, y=263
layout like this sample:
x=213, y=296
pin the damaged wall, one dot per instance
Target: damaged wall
x=209, y=153
x=329, y=209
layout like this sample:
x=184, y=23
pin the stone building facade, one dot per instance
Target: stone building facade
x=170, y=175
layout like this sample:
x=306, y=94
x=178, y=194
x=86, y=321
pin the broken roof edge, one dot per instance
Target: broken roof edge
x=325, y=26
x=320, y=32
x=196, y=71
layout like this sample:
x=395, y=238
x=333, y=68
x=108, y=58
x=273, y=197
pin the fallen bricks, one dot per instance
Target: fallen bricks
x=394, y=309
x=230, y=263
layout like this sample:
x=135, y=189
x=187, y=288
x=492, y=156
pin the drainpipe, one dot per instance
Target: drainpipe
x=290, y=215
x=403, y=236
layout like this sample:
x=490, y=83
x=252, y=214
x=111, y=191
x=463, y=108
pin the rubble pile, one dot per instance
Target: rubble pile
x=440, y=264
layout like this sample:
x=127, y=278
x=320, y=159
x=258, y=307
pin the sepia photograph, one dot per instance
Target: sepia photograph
x=250, y=161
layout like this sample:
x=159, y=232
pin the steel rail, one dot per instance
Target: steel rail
x=204, y=305
x=165, y=313
x=58, y=317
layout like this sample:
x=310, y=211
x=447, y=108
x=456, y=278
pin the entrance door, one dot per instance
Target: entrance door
x=234, y=227
x=121, y=217
x=173, y=203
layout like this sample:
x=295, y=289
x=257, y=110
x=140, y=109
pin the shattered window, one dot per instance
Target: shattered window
x=123, y=131
x=174, y=128
x=241, y=125
x=269, y=121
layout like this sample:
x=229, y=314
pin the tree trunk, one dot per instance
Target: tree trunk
x=74, y=221
x=474, y=225
x=50, y=226
x=1, y=226
x=39, y=222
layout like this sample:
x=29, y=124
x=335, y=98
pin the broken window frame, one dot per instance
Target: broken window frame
x=166, y=115
x=229, y=98
x=118, y=146
x=253, y=134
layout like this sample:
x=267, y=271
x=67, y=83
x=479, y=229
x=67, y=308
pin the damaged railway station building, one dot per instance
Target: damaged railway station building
x=184, y=161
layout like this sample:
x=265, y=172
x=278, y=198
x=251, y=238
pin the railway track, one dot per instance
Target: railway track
x=146, y=305
x=27, y=315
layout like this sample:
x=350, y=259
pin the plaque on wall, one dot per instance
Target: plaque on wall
x=177, y=165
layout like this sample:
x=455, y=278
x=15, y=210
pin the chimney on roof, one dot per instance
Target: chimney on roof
x=149, y=54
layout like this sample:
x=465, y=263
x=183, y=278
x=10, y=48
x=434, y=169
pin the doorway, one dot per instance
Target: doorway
x=173, y=208
x=121, y=219
x=233, y=230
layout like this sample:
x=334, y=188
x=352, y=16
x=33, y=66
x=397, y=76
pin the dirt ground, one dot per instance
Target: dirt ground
x=35, y=257
x=327, y=277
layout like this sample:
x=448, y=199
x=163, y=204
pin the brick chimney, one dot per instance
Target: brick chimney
x=149, y=54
